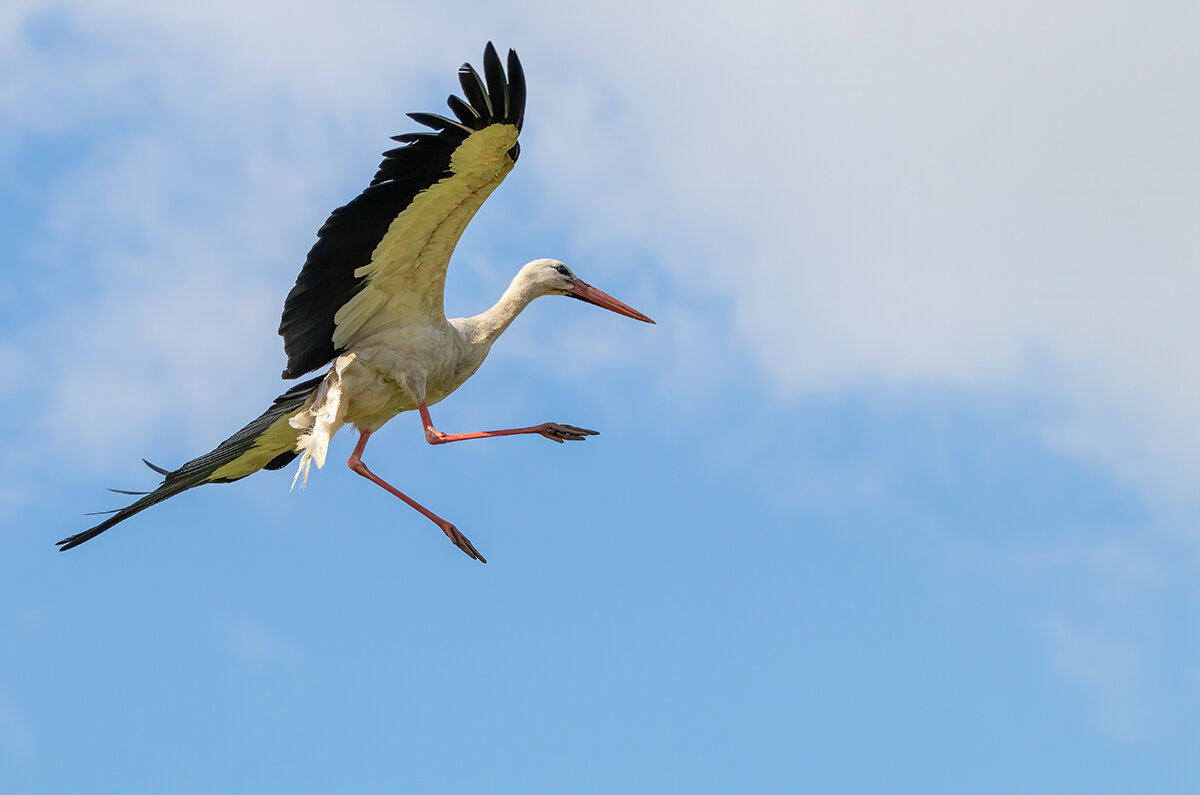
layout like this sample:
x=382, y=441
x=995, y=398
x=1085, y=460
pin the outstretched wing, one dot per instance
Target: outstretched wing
x=380, y=261
x=268, y=442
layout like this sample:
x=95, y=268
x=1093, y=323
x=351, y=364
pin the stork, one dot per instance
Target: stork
x=368, y=304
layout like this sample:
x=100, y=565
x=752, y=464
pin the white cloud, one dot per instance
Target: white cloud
x=14, y=732
x=1109, y=671
x=997, y=200
x=953, y=195
x=251, y=642
x=1116, y=614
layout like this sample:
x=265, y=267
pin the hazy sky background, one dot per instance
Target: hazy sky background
x=899, y=495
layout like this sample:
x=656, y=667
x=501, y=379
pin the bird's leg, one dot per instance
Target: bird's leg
x=452, y=532
x=551, y=430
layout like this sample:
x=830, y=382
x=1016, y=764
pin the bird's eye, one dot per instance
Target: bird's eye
x=563, y=270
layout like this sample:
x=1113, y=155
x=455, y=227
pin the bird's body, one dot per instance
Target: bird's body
x=389, y=368
x=368, y=303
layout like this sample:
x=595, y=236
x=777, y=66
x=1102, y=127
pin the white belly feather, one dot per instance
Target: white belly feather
x=382, y=377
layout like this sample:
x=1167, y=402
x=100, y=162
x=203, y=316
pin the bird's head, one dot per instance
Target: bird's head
x=551, y=277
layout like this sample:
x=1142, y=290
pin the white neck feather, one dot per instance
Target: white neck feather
x=491, y=323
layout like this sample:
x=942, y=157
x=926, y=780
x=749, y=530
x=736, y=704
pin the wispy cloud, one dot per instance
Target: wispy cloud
x=14, y=733
x=879, y=201
x=834, y=198
x=957, y=198
x=251, y=642
x=1110, y=672
x=1115, y=612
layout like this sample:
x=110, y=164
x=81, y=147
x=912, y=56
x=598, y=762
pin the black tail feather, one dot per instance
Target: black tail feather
x=161, y=493
x=156, y=468
x=202, y=470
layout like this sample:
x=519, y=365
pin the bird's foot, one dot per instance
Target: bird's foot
x=461, y=541
x=564, y=433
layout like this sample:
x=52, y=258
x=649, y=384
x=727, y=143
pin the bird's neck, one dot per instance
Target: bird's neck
x=491, y=323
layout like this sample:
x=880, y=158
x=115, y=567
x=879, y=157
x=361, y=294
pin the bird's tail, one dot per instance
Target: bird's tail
x=268, y=442
x=320, y=417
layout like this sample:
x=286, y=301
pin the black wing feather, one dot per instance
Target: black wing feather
x=347, y=240
x=516, y=91
x=465, y=113
x=497, y=85
x=474, y=90
x=408, y=138
x=200, y=470
x=440, y=123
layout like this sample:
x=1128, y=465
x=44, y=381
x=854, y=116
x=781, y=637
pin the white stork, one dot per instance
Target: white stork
x=369, y=301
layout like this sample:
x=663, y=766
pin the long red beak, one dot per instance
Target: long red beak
x=586, y=292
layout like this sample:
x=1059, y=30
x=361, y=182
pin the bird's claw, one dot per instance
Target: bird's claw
x=462, y=542
x=565, y=433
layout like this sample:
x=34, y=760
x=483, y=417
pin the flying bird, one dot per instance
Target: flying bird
x=368, y=304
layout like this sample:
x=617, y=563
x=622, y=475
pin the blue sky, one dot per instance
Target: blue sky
x=898, y=496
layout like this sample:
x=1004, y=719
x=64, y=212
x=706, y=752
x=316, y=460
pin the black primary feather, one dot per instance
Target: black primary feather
x=497, y=85
x=516, y=92
x=440, y=123
x=408, y=138
x=465, y=113
x=348, y=238
x=474, y=90
x=200, y=470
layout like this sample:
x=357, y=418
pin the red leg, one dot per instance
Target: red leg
x=452, y=532
x=551, y=430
